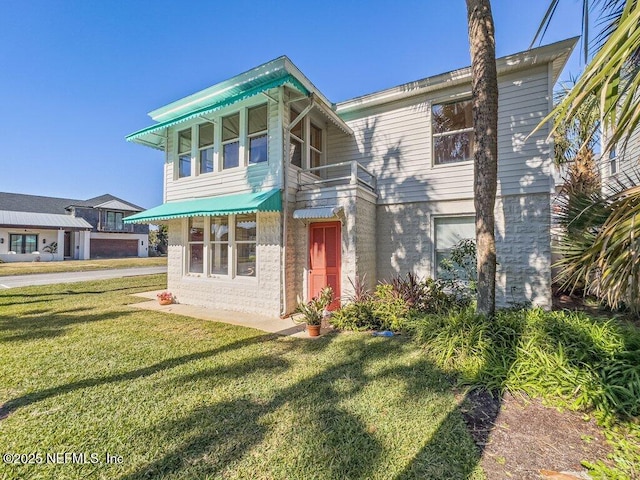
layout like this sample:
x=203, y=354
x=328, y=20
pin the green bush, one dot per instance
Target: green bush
x=389, y=309
x=590, y=363
x=355, y=316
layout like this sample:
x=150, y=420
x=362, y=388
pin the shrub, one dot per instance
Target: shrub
x=313, y=310
x=590, y=363
x=389, y=308
x=355, y=316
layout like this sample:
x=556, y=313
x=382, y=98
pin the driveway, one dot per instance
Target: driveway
x=16, y=281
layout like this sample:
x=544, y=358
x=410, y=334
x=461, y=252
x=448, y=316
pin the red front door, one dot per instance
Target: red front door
x=324, y=258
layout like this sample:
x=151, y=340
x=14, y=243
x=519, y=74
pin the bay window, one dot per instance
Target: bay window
x=205, y=147
x=184, y=153
x=196, y=244
x=452, y=132
x=257, y=134
x=219, y=246
x=231, y=141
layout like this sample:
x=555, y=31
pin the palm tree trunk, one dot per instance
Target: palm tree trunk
x=485, y=128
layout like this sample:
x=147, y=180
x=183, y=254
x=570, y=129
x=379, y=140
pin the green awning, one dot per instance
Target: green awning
x=267, y=201
x=149, y=136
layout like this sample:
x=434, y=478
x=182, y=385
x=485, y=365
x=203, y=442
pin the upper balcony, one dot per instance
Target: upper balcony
x=337, y=174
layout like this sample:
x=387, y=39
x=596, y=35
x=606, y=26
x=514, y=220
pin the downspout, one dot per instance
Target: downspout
x=285, y=204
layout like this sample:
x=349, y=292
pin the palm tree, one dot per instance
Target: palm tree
x=485, y=128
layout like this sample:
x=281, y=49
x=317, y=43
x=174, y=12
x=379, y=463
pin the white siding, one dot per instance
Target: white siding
x=394, y=142
x=257, y=177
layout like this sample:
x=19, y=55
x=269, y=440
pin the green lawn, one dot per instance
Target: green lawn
x=25, y=268
x=177, y=397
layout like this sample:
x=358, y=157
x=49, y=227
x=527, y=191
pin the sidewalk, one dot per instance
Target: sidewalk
x=285, y=327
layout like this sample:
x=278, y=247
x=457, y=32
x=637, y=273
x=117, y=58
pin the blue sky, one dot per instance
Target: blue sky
x=77, y=76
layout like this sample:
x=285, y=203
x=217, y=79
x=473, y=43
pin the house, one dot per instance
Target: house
x=34, y=227
x=271, y=191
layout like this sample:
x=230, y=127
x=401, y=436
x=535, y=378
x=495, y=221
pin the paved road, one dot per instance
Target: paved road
x=69, y=277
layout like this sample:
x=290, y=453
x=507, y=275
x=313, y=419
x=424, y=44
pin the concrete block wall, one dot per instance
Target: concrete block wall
x=259, y=295
x=405, y=243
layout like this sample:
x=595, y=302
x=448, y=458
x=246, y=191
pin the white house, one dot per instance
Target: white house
x=271, y=191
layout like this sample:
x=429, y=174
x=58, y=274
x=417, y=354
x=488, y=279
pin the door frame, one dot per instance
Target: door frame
x=307, y=282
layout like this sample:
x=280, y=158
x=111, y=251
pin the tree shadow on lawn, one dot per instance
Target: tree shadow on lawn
x=324, y=438
x=42, y=326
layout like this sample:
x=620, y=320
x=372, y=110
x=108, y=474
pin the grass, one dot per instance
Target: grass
x=177, y=397
x=26, y=268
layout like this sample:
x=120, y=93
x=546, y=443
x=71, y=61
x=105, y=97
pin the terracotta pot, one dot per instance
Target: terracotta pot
x=314, y=330
x=165, y=301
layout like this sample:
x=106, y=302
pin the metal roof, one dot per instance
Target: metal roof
x=267, y=201
x=41, y=220
x=317, y=212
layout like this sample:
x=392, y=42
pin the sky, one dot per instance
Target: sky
x=77, y=76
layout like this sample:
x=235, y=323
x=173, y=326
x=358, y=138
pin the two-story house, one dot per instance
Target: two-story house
x=272, y=192
x=35, y=227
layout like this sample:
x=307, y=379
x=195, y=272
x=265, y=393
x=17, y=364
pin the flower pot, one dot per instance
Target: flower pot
x=165, y=301
x=314, y=330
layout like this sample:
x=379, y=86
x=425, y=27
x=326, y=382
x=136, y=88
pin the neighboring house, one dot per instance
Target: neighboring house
x=33, y=227
x=272, y=192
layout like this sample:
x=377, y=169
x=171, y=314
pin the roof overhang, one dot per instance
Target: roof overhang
x=266, y=201
x=317, y=212
x=45, y=221
x=555, y=54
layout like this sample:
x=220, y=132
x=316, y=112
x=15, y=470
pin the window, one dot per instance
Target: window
x=613, y=161
x=196, y=244
x=448, y=232
x=316, y=146
x=231, y=141
x=114, y=221
x=296, y=140
x=245, y=243
x=452, y=127
x=184, y=153
x=219, y=251
x=205, y=147
x=23, y=243
x=257, y=134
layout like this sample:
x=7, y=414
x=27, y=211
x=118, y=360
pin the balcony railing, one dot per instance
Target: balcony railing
x=333, y=174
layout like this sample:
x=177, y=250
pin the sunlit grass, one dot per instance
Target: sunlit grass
x=176, y=397
x=25, y=268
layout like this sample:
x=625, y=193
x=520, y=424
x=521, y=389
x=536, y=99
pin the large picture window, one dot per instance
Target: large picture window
x=452, y=131
x=257, y=134
x=184, y=153
x=21, y=243
x=196, y=245
x=231, y=141
x=114, y=221
x=448, y=233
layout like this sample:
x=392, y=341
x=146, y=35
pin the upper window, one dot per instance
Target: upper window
x=114, y=221
x=315, y=146
x=452, y=127
x=184, y=153
x=613, y=161
x=23, y=243
x=231, y=141
x=257, y=134
x=296, y=140
x=205, y=147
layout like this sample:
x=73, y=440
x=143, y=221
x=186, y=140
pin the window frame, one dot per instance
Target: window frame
x=237, y=242
x=313, y=149
x=262, y=133
x=434, y=236
x=434, y=103
x=23, y=243
x=191, y=243
x=206, y=147
x=180, y=155
x=212, y=242
x=293, y=114
x=237, y=139
x=112, y=227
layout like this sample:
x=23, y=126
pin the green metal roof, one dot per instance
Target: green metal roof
x=228, y=97
x=267, y=201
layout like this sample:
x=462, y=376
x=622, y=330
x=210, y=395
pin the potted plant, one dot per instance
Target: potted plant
x=165, y=298
x=314, y=310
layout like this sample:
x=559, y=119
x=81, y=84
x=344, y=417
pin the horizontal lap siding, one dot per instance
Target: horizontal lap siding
x=262, y=176
x=394, y=142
